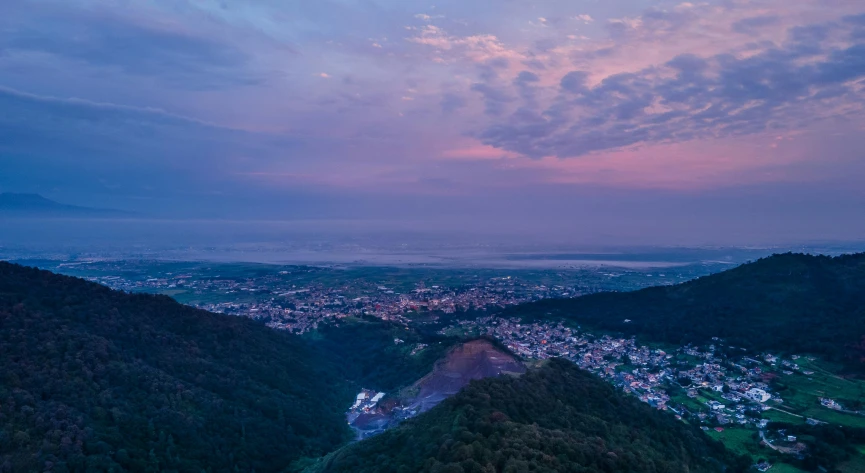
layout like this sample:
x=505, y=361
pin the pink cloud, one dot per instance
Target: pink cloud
x=477, y=151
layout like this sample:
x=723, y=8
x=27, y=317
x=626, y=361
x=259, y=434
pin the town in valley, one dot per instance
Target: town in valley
x=729, y=392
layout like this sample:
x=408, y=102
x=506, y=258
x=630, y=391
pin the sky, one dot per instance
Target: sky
x=722, y=122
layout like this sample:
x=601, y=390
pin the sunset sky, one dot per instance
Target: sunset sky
x=710, y=121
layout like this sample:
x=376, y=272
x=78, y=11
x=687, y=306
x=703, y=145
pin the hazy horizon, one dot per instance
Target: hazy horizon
x=359, y=243
x=587, y=123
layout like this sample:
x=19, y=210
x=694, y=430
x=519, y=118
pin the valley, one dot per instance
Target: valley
x=473, y=360
x=390, y=371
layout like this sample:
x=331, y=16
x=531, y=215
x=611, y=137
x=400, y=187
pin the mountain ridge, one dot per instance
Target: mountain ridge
x=94, y=379
x=793, y=303
x=36, y=205
x=555, y=418
x=101, y=379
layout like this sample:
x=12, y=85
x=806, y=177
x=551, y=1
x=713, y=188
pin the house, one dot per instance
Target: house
x=830, y=403
x=758, y=395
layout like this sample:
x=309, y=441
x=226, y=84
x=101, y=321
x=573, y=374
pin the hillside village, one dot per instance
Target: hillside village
x=697, y=383
x=716, y=386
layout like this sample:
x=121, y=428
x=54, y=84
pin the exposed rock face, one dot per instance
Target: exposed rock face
x=477, y=359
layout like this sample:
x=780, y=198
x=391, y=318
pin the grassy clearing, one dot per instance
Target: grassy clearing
x=823, y=383
x=785, y=468
x=739, y=441
x=855, y=465
x=835, y=417
x=691, y=404
x=774, y=415
x=803, y=393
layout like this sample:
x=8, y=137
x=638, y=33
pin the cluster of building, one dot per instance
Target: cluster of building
x=366, y=416
x=282, y=303
x=300, y=298
x=727, y=391
x=302, y=309
x=634, y=368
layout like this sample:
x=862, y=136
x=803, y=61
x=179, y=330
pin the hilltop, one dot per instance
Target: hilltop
x=477, y=359
x=138, y=382
x=792, y=303
x=556, y=418
x=94, y=379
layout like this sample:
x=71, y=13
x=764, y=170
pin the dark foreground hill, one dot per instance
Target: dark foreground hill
x=792, y=303
x=553, y=419
x=97, y=380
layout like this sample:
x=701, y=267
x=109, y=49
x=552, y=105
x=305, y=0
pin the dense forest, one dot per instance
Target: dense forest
x=791, y=303
x=556, y=418
x=366, y=351
x=98, y=380
x=828, y=445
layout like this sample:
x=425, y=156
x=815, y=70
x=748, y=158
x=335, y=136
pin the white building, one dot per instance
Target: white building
x=758, y=395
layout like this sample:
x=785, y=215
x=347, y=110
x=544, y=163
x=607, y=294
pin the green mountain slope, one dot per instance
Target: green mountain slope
x=791, y=302
x=97, y=380
x=365, y=350
x=556, y=418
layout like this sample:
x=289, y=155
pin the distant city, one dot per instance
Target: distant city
x=299, y=298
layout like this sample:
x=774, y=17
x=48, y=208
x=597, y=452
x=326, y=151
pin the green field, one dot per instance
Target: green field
x=835, y=417
x=785, y=468
x=824, y=382
x=692, y=404
x=803, y=392
x=740, y=441
x=775, y=415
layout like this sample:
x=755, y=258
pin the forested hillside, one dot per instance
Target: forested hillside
x=791, y=302
x=366, y=351
x=97, y=380
x=557, y=418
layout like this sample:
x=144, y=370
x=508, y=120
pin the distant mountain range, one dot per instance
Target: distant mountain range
x=34, y=205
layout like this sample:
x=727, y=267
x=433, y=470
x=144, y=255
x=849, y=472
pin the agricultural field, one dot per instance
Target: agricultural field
x=786, y=468
x=740, y=441
x=776, y=415
x=802, y=393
